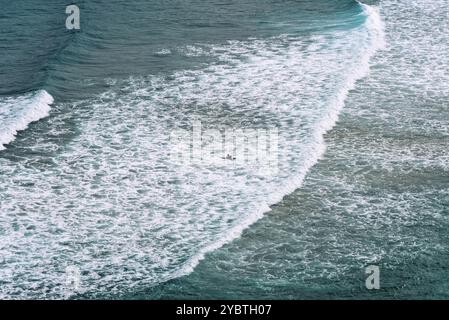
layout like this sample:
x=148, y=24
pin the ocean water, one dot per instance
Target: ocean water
x=357, y=93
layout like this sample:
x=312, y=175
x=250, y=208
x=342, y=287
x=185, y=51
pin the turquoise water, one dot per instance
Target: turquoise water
x=87, y=180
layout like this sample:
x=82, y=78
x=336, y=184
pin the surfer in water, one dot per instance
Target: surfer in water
x=228, y=157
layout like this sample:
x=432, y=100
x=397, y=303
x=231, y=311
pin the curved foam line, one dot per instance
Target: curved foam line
x=29, y=109
x=375, y=26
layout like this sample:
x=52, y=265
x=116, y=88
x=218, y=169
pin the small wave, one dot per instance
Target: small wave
x=16, y=113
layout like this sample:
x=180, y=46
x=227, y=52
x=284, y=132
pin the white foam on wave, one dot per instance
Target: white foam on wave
x=113, y=203
x=375, y=27
x=16, y=113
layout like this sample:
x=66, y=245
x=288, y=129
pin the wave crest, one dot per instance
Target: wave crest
x=16, y=113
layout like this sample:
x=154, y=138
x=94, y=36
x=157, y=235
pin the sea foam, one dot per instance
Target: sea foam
x=375, y=28
x=113, y=204
x=16, y=113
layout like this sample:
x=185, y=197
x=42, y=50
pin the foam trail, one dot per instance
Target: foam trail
x=376, y=27
x=16, y=113
x=144, y=219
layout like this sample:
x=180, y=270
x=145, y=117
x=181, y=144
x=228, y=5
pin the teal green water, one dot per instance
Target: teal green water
x=91, y=185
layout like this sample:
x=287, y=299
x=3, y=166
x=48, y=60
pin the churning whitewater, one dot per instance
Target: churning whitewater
x=112, y=203
x=16, y=113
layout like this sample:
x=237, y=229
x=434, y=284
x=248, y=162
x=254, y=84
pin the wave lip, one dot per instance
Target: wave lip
x=16, y=113
x=376, y=34
x=149, y=231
